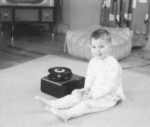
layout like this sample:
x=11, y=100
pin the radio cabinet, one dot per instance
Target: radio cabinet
x=26, y=14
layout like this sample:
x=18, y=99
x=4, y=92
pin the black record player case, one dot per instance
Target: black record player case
x=61, y=88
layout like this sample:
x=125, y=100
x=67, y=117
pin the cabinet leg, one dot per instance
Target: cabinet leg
x=2, y=30
x=52, y=31
x=12, y=34
x=53, y=36
x=12, y=31
x=41, y=28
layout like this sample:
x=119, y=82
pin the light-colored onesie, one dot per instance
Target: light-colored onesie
x=104, y=77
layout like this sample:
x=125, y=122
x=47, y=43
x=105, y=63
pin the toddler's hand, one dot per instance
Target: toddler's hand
x=87, y=95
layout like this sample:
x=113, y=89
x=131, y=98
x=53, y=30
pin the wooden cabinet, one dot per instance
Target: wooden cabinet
x=26, y=14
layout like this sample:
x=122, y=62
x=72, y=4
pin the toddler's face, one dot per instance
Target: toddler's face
x=100, y=48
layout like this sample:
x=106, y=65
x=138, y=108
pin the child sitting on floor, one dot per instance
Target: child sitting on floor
x=103, y=84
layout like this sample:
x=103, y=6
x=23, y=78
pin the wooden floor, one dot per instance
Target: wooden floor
x=29, y=43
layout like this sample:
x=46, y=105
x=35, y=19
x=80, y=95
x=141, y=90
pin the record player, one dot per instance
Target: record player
x=62, y=85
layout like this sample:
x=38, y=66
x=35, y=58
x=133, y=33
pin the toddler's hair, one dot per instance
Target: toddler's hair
x=101, y=34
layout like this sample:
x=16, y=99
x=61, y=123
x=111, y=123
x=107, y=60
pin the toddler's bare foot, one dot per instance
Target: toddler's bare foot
x=47, y=108
x=60, y=114
x=43, y=100
x=45, y=103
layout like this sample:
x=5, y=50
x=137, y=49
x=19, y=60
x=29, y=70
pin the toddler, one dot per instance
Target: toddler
x=103, y=83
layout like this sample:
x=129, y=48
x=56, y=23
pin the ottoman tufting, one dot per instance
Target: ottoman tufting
x=77, y=42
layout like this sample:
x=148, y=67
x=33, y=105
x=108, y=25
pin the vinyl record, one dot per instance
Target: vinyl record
x=59, y=74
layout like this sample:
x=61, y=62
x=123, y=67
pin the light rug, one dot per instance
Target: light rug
x=20, y=84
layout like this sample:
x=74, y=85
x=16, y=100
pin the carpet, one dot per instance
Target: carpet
x=20, y=84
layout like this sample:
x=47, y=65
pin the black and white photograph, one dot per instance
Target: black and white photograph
x=74, y=63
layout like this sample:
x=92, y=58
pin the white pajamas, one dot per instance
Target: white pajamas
x=104, y=78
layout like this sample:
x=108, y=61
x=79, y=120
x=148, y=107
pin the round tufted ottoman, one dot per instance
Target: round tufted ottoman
x=77, y=42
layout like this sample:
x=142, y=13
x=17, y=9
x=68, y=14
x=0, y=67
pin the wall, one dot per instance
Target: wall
x=80, y=13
